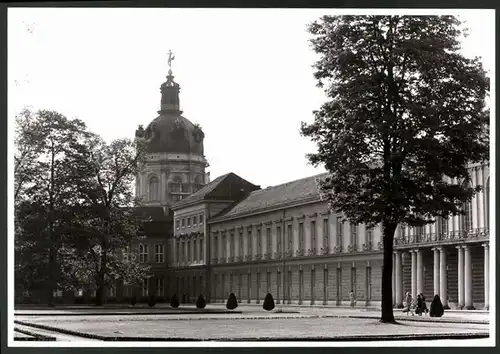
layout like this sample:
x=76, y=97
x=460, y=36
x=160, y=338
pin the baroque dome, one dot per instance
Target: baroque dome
x=172, y=133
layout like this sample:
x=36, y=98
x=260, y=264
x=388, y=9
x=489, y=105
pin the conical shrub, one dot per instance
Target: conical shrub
x=232, y=303
x=174, y=301
x=268, y=302
x=201, y=303
x=133, y=300
x=437, y=309
x=152, y=300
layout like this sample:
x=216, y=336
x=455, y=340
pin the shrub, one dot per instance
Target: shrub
x=133, y=300
x=268, y=302
x=152, y=300
x=232, y=303
x=201, y=303
x=437, y=309
x=174, y=301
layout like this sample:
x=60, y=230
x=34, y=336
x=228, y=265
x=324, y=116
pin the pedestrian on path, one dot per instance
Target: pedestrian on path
x=352, y=299
x=409, y=304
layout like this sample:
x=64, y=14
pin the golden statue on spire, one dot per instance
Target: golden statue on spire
x=171, y=56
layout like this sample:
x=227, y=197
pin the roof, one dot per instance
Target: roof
x=226, y=187
x=301, y=190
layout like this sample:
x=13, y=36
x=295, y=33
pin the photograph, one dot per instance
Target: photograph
x=199, y=177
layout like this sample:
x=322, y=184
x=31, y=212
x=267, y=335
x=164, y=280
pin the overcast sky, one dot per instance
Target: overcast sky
x=245, y=75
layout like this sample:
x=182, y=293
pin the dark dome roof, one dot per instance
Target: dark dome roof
x=171, y=132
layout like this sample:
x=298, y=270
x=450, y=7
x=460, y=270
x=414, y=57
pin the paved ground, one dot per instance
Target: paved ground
x=161, y=326
x=253, y=322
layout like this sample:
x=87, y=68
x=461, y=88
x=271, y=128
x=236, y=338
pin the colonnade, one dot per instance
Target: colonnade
x=440, y=276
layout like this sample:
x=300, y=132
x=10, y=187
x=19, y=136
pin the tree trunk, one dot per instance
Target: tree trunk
x=387, y=308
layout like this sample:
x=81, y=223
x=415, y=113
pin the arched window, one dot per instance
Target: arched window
x=153, y=188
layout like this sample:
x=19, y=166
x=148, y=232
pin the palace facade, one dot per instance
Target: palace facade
x=229, y=235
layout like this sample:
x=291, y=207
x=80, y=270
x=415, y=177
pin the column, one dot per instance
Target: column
x=460, y=277
x=443, y=279
x=486, y=276
x=174, y=250
x=420, y=271
x=436, y=270
x=394, y=279
x=413, y=273
x=468, y=278
x=399, y=281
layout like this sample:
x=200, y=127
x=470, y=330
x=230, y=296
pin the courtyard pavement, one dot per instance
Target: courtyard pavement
x=252, y=323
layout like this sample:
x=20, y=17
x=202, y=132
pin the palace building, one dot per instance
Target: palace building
x=229, y=235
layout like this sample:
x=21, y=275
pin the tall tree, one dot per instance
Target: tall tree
x=112, y=220
x=406, y=115
x=46, y=143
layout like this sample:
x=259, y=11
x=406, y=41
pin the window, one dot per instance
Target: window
x=241, y=243
x=301, y=236
x=259, y=242
x=201, y=251
x=188, y=250
x=290, y=238
x=189, y=222
x=369, y=235
x=340, y=232
x=153, y=188
x=200, y=219
x=278, y=239
x=143, y=253
x=126, y=253
x=224, y=246
x=194, y=220
x=232, y=250
x=269, y=240
x=194, y=250
x=354, y=235
x=326, y=232
x=112, y=291
x=183, y=222
x=177, y=224
x=443, y=225
x=250, y=241
x=159, y=253
x=467, y=218
x=313, y=234
x=145, y=288
x=216, y=247
x=159, y=287
x=176, y=184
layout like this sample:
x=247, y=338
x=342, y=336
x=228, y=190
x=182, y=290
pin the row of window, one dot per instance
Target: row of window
x=189, y=221
x=289, y=238
x=159, y=253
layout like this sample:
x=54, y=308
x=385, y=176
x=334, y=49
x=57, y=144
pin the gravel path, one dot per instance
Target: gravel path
x=221, y=329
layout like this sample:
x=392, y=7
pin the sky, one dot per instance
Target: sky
x=245, y=74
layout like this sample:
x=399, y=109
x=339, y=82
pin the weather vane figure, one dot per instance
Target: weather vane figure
x=171, y=56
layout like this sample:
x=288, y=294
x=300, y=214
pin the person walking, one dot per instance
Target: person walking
x=409, y=304
x=352, y=299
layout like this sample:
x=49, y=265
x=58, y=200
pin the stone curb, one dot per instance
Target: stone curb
x=125, y=313
x=357, y=338
x=35, y=336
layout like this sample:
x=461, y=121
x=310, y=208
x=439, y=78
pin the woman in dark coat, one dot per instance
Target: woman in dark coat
x=437, y=309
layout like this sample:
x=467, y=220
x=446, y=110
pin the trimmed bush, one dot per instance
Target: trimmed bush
x=231, y=303
x=201, y=303
x=133, y=300
x=437, y=309
x=268, y=302
x=152, y=300
x=174, y=301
